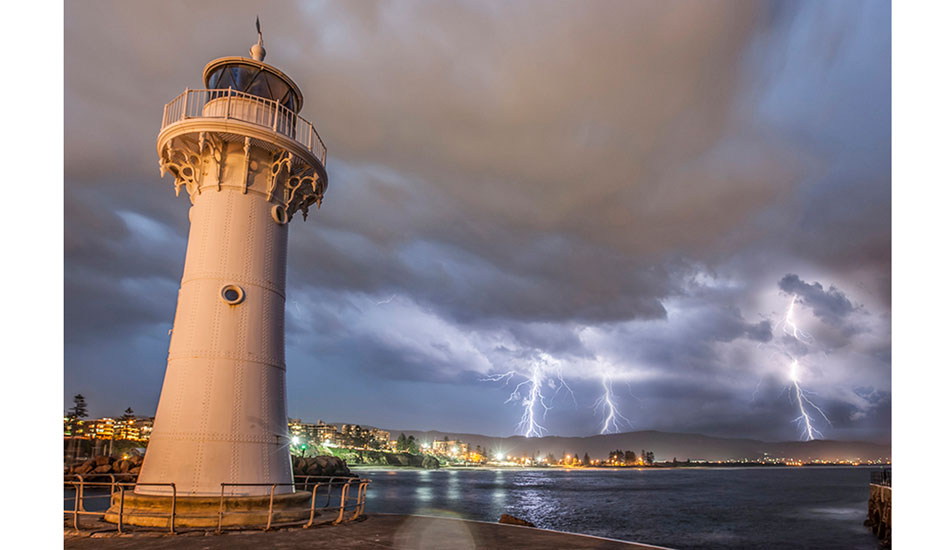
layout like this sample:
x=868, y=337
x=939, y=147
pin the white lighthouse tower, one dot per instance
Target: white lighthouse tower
x=249, y=164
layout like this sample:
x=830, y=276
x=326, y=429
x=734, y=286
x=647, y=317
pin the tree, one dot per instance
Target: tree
x=79, y=407
x=129, y=415
x=649, y=458
x=411, y=445
x=586, y=459
x=630, y=458
x=401, y=442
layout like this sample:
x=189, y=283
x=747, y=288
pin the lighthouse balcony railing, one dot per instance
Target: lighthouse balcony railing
x=234, y=105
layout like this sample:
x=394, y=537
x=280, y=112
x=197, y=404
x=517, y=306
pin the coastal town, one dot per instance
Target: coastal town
x=128, y=434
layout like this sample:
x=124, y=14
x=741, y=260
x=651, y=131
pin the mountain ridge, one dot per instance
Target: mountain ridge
x=665, y=445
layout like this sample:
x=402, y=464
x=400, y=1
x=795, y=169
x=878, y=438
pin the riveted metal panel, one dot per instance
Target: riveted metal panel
x=222, y=415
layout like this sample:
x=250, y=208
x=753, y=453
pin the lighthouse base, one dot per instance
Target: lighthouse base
x=156, y=510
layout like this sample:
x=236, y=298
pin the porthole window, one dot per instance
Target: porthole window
x=232, y=294
x=279, y=213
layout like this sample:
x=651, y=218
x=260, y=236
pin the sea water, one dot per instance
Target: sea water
x=682, y=508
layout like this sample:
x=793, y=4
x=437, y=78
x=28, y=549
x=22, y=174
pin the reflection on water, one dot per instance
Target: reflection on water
x=757, y=508
x=453, y=486
x=424, y=487
x=499, y=493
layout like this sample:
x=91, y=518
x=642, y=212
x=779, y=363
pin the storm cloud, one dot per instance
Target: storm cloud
x=611, y=188
x=831, y=306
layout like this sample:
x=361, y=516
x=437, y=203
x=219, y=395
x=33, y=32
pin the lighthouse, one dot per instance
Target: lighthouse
x=250, y=165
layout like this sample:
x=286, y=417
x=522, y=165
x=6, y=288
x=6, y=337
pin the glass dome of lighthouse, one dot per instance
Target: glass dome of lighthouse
x=253, y=76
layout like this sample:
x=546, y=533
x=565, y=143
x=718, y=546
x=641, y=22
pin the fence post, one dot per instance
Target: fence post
x=360, y=499
x=227, y=110
x=121, y=506
x=276, y=114
x=346, y=489
x=174, y=501
x=313, y=504
x=82, y=494
x=76, y=506
x=184, y=111
x=270, y=507
x=221, y=509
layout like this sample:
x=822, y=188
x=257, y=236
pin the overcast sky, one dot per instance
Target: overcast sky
x=620, y=194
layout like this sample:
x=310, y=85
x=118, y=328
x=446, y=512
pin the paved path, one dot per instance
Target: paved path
x=377, y=532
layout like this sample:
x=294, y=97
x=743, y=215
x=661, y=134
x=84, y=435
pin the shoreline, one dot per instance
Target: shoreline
x=375, y=467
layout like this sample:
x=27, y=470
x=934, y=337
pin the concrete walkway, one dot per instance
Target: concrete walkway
x=377, y=532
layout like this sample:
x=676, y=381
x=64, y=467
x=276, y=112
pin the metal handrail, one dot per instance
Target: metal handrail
x=79, y=498
x=347, y=501
x=268, y=113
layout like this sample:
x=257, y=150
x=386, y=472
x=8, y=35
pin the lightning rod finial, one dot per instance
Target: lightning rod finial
x=257, y=50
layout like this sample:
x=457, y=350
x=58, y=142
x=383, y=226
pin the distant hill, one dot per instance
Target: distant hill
x=665, y=445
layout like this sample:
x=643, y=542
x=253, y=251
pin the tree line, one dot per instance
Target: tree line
x=630, y=458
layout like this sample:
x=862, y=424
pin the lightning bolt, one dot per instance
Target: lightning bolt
x=530, y=402
x=529, y=393
x=809, y=432
x=613, y=420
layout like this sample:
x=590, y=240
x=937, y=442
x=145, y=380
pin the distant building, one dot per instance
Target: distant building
x=75, y=427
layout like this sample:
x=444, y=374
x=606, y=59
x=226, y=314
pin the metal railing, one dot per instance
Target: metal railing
x=80, y=484
x=234, y=105
x=349, y=492
x=881, y=477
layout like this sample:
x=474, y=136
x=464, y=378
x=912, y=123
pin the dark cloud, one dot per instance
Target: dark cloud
x=831, y=306
x=604, y=187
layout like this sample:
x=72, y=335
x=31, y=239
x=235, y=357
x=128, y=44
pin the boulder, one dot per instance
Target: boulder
x=104, y=469
x=122, y=466
x=512, y=520
x=430, y=462
x=136, y=460
x=84, y=469
x=101, y=460
x=135, y=470
x=321, y=466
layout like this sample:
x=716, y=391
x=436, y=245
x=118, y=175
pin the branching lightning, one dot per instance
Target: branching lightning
x=807, y=423
x=613, y=420
x=530, y=394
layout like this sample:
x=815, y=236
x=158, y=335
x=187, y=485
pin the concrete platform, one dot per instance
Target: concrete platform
x=379, y=531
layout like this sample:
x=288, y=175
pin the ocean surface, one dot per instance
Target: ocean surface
x=735, y=508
